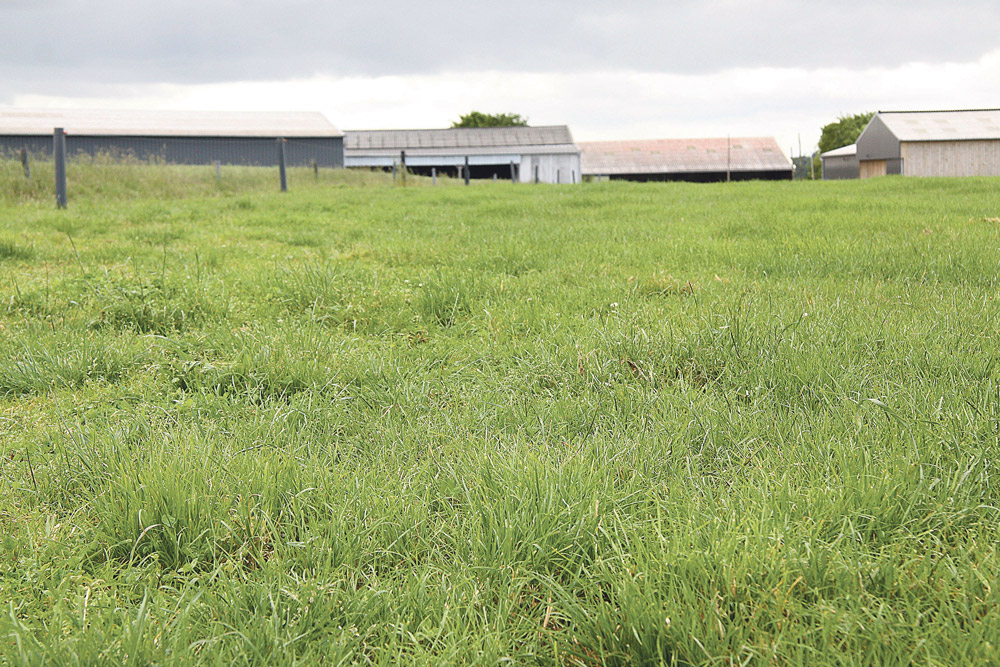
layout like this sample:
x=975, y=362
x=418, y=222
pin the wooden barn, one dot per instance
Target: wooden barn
x=697, y=160
x=931, y=143
x=178, y=137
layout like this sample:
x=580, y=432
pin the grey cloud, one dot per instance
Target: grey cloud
x=73, y=44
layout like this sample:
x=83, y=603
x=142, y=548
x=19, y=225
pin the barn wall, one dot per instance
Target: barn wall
x=877, y=142
x=34, y=145
x=951, y=158
x=563, y=168
x=872, y=168
x=841, y=167
x=253, y=151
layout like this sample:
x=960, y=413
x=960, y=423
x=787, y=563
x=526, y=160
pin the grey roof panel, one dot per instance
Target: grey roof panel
x=843, y=151
x=943, y=125
x=485, y=137
x=92, y=122
x=669, y=156
x=482, y=150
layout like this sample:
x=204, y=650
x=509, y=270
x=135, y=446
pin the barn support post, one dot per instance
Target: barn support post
x=513, y=175
x=23, y=153
x=467, y=176
x=59, y=152
x=282, y=171
x=434, y=176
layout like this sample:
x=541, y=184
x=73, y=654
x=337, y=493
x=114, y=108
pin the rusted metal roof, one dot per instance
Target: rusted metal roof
x=92, y=122
x=671, y=156
x=965, y=125
x=447, y=141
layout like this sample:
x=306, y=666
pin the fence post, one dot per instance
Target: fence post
x=24, y=163
x=494, y=177
x=434, y=176
x=513, y=176
x=393, y=171
x=402, y=166
x=281, y=165
x=466, y=169
x=218, y=170
x=572, y=175
x=315, y=169
x=536, y=174
x=59, y=151
x=558, y=176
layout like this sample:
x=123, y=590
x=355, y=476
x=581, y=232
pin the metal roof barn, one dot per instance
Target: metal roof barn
x=546, y=152
x=931, y=143
x=178, y=137
x=840, y=163
x=699, y=160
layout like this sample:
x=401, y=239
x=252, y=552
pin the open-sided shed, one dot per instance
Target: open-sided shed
x=699, y=160
x=546, y=154
x=178, y=137
x=931, y=143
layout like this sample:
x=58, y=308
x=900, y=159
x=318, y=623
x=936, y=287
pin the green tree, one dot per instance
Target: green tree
x=844, y=131
x=479, y=119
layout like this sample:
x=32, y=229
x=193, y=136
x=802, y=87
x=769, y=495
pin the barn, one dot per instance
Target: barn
x=840, y=163
x=931, y=143
x=696, y=160
x=178, y=137
x=544, y=154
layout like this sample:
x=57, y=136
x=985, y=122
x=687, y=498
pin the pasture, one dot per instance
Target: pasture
x=623, y=424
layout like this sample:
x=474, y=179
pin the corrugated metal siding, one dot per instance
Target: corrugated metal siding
x=250, y=151
x=951, y=158
x=877, y=142
x=419, y=160
x=34, y=145
x=551, y=169
x=840, y=167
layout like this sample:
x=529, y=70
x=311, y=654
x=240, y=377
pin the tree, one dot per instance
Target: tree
x=479, y=119
x=844, y=131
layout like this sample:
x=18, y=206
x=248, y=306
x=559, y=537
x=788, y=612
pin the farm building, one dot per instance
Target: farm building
x=840, y=163
x=178, y=137
x=931, y=143
x=697, y=160
x=529, y=154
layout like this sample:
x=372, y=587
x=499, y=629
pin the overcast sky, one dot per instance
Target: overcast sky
x=609, y=70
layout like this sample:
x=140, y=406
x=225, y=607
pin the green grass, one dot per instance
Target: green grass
x=622, y=424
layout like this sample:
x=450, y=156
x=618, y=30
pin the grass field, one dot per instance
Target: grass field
x=622, y=424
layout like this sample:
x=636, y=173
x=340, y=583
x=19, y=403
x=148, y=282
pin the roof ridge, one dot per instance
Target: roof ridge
x=451, y=129
x=935, y=110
